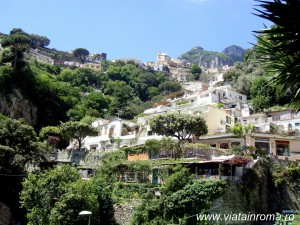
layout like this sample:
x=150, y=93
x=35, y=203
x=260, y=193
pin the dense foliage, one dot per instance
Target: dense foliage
x=183, y=204
x=77, y=131
x=242, y=130
x=58, y=195
x=120, y=89
x=181, y=126
x=18, y=145
x=251, y=78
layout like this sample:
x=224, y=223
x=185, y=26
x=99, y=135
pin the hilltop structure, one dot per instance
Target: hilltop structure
x=175, y=68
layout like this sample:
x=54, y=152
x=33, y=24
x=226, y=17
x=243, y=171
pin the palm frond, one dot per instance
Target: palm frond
x=278, y=47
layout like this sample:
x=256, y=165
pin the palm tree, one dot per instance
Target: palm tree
x=279, y=46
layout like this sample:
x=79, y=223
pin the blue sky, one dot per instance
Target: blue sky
x=135, y=28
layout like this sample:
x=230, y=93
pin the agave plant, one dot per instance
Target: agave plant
x=279, y=46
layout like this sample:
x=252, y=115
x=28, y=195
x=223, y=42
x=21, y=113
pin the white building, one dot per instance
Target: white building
x=111, y=134
x=280, y=122
x=217, y=79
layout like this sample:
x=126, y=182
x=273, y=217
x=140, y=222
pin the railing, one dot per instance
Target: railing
x=134, y=177
x=183, y=106
x=212, y=177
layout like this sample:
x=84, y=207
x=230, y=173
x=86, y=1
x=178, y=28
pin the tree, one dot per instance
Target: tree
x=180, y=177
x=81, y=54
x=41, y=192
x=19, y=145
x=77, y=130
x=177, y=206
x=18, y=42
x=40, y=41
x=80, y=196
x=260, y=103
x=122, y=93
x=51, y=134
x=16, y=30
x=279, y=46
x=242, y=131
x=103, y=190
x=196, y=71
x=169, y=86
x=261, y=96
x=181, y=126
x=149, y=79
x=97, y=101
x=57, y=196
x=153, y=91
x=114, y=72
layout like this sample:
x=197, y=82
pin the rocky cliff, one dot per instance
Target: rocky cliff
x=16, y=106
x=236, y=53
x=209, y=59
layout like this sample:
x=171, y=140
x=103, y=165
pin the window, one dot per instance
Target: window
x=224, y=146
x=228, y=120
x=111, y=131
x=262, y=145
x=282, y=147
x=240, y=97
x=149, y=133
x=297, y=124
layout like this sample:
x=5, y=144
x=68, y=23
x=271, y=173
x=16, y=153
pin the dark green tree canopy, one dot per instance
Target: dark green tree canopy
x=18, y=42
x=56, y=196
x=41, y=192
x=18, y=145
x=40, y=41
x=168, y=87
x=196, y=71
x=181, y=126
x=81, y=53
x=77, y=130
x=17, y=30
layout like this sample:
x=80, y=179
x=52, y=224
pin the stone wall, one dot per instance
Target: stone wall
x=5, y=214
x=124, y=211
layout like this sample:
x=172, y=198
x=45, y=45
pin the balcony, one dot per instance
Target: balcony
x=214, y=177
x=183, y=106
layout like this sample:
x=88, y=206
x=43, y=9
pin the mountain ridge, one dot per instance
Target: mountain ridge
x=211, y=59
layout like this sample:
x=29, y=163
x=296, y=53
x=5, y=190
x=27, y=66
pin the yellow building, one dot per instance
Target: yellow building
x=217, y=120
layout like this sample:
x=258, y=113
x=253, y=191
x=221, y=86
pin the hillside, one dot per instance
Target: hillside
x=210, y=59
x=236, y=53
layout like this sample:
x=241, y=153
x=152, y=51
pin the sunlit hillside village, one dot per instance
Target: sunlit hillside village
x=276, y=133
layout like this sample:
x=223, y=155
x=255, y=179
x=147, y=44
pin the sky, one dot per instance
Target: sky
x=136, y=28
